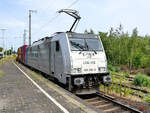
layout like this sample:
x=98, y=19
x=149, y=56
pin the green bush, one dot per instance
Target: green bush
x=110, y=67
x=117, y=69
x=127, y=74
x=147, y=98
x=141, y=80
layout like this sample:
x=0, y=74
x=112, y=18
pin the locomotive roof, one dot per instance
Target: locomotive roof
x=41, y=40
x=45, y=39
x=72, y=34
x=81, y=35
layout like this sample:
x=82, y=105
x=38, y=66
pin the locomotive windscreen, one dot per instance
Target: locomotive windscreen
x=85, y=44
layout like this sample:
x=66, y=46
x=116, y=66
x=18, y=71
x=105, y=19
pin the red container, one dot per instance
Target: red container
x=19, y=54
x=22, y=53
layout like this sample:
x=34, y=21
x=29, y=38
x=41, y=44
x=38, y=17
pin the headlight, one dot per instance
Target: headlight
x=102, y=69
x=76, y=70
x=78, y=81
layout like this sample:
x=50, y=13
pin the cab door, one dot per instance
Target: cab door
x=58, y=60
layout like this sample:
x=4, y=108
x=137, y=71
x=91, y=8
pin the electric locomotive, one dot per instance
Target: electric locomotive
x=77, y=60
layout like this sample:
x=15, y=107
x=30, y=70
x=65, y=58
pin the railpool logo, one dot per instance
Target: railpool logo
x=88, y=62
x=89, y=55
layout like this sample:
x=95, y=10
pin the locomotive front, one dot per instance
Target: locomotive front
x=88, y=63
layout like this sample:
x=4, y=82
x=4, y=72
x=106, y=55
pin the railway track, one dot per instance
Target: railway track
x=130, y=86
x=108, y=104
x=134, y=88
x=129, y=78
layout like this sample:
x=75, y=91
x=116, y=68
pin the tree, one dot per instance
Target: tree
x=1, y=49
x=122, y=49
x=103, y=34
x=91, y=31
x=86, y=31
x=134, y=32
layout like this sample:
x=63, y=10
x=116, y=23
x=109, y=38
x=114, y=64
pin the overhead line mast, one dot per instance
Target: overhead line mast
x=30, y=12
x=3, y=32
x=24, y=37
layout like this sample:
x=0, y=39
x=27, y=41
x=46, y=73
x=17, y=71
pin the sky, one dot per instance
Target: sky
x=99, y=15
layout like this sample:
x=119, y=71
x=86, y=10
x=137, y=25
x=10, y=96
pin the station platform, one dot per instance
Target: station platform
x=24, y=91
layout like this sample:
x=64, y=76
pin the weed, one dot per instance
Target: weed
x=1, y=73
x=107, y=89
x=20, y=86
x=112, y=85
x=43, y=105
x=125, y=91
x=127, y=74
x=120, y=88
x=117, y=69
x=141, y=80
x=110, y=67
x=18, y=81
x=22, y=101
x=147, y=98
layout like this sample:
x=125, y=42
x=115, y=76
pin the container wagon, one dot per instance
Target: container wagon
x=21, y=54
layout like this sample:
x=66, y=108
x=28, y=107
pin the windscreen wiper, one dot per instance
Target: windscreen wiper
x=94, y=51
x=77, y=45
x=90, y=49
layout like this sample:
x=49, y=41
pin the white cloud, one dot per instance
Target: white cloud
x=130, y=13
x=13, y=23
x=97, y=14
x=45, y=6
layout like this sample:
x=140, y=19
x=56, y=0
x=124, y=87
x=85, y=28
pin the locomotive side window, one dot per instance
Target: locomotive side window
x=57, y=46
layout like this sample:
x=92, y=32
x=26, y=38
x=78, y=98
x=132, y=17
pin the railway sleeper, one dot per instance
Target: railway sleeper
x=96, y=103
x=91, y=99
x=126, y=112
x=105, y=106
x=112, y=110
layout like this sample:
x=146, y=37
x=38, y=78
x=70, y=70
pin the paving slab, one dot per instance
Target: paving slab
x=19, y=95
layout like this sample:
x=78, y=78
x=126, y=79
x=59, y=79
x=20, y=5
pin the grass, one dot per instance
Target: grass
x=119, y=91
x=147, y=98
x=1, y=73
x=9, y=58
x=113, y=68
x=127, y=74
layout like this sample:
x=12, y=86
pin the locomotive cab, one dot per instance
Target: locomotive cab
x=79, y=61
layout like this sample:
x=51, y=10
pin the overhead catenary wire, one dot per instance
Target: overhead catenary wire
x=53, y=18
x=73, y=3
x=49, y=5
